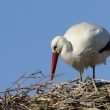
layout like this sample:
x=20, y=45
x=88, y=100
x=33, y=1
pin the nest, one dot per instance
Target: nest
x=29, y=92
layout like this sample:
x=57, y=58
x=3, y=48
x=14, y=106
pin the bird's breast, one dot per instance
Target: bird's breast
x=80, y=62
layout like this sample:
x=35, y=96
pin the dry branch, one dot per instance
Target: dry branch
x=48, y=95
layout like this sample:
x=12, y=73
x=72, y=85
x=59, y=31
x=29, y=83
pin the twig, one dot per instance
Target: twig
x=96, y=89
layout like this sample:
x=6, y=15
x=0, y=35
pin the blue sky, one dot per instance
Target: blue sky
x=28, y=26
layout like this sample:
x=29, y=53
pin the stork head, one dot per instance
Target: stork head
x=57, y=45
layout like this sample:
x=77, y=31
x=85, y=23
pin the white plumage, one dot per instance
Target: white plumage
x=83, y=45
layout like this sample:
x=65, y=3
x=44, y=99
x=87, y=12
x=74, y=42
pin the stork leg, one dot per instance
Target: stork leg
x=93, y=72
x=80, y=75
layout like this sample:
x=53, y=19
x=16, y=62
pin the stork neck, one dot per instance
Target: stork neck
x=66, y=50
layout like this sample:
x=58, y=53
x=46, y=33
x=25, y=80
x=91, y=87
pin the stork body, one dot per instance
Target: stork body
x=83, y=45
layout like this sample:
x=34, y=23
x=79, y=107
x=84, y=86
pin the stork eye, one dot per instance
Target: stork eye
x=55, y=47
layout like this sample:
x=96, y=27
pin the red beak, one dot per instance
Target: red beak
x=54, y=63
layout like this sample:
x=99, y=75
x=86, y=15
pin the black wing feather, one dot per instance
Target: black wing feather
x=106, y=48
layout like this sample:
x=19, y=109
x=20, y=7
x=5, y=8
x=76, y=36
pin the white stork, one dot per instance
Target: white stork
x=83, y=45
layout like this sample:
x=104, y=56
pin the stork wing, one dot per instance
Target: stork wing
x=106, y=48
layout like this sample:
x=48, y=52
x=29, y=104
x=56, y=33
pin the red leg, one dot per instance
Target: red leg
x=80, y=75
x=93, y=72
